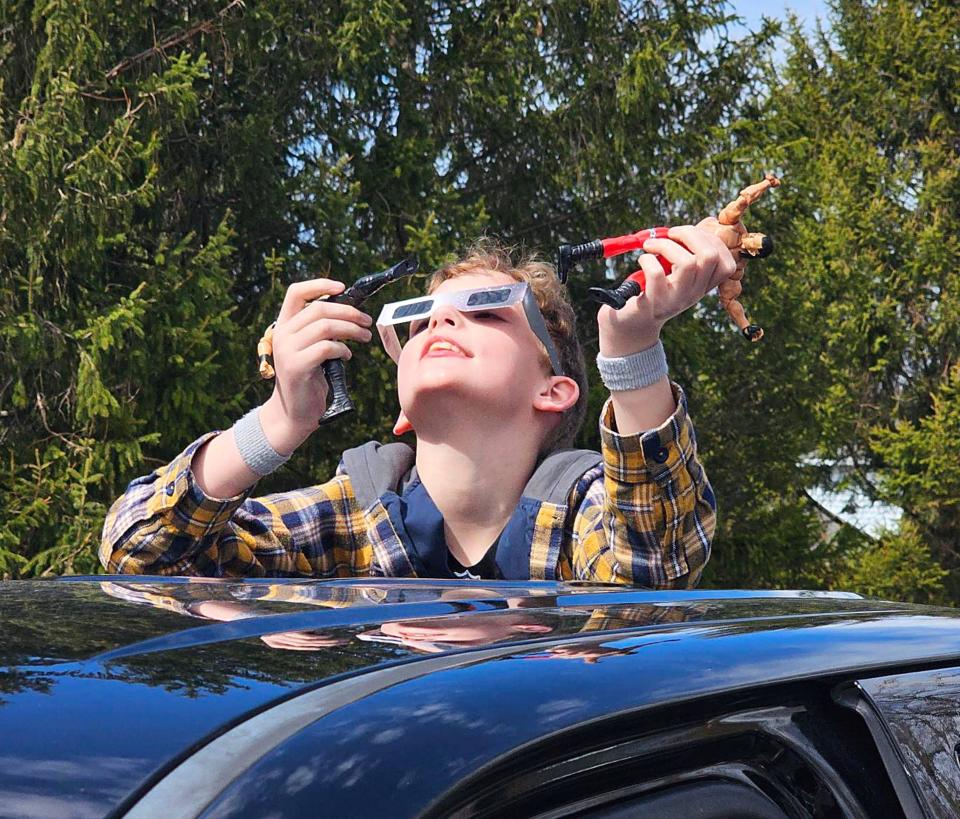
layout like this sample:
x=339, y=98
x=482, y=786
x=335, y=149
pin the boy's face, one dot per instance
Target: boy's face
x=475, y=629
x=491, y=355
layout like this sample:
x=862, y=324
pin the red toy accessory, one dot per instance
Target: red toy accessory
x=727, y=225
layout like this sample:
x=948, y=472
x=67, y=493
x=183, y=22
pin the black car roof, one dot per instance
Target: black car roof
x=106, y=682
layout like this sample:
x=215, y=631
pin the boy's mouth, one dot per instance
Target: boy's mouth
x=440, y=346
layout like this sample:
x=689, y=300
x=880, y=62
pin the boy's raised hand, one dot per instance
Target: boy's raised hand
x=308, y=332
x=700, y=261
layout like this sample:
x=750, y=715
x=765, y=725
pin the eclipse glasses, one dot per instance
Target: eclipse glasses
x=466, y=301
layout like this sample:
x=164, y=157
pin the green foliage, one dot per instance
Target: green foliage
x=923, y=474
x=115, y=304
x=859, y=300
x=166, y=170
x=898, y=567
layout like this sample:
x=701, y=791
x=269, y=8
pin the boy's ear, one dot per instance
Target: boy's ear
x=558, y=395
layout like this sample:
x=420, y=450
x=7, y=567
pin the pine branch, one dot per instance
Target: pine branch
x=203, y=27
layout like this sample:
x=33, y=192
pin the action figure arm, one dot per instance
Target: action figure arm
x=733, y=212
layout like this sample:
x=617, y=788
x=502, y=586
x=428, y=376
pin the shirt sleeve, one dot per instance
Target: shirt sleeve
x=165, y=524
x=648, y=514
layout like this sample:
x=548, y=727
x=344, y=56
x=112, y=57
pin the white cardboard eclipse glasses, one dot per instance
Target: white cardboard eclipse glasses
x=466, y=301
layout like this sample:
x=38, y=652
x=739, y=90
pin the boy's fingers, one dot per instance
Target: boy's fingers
x=329, y=329
x=655, y=280
x=325, y=310
x=704, y=268
x=314, y=355
x=673, y=252
x=681, y=259
x=698, y=242
x=706, y=248
x=711, y=251
x=299, y=293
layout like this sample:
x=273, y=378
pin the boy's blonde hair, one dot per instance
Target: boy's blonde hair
x=551, y=295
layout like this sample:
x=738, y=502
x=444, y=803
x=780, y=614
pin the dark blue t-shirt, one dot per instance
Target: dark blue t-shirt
x=419, y=524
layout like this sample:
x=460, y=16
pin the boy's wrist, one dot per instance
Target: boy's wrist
x=612, y=346
x=633, y=372
x=283, y=433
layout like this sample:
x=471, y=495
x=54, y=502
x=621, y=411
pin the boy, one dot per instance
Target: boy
x=494, y=395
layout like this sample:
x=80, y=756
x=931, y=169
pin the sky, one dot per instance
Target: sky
x=806, y=10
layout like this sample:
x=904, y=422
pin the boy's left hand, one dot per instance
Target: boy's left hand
x=700, y=263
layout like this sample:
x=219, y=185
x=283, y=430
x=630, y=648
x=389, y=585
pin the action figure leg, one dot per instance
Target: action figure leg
x=728, y=291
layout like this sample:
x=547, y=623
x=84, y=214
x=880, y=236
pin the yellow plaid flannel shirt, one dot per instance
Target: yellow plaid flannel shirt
x=645, y=515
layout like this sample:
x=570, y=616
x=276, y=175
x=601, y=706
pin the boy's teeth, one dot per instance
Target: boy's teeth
x=444, y=345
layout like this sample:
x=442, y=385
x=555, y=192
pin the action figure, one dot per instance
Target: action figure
x=727, y=226
x=354, y=295
x=751, y=245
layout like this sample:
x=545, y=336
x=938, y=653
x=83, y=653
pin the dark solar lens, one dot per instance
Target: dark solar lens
x=417, y=308
x=487, y=297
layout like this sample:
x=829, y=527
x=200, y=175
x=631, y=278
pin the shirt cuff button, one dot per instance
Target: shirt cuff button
x=171, y=488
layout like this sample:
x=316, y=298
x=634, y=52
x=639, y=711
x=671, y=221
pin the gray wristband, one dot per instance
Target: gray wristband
x=633, y=372
x=254, y=447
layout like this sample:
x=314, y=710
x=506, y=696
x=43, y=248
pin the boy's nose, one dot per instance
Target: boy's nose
x=445, y=314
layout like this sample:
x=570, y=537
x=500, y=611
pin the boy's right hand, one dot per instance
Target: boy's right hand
x=308, y=332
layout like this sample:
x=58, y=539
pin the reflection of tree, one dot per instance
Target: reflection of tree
x=734, y=615
x=749, y=616
x=14, y=680
x=48, y=621
x=923, y=713
x=53, y=628
x=218, y=667
x=209, y=669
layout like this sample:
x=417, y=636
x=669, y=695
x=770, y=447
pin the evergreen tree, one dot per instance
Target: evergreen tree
x=858, y=370
x=167, y=169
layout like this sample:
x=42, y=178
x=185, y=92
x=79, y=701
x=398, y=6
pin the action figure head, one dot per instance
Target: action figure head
x=756, y=245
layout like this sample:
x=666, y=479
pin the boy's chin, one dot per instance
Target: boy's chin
x=430, y=402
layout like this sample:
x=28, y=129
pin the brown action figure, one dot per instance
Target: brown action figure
x=750, y=245
x=727, y=226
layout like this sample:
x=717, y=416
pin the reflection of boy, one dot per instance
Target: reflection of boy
x=289, y=640
x=436, y=634
x=487, y=408
x=523, y=621
x=210, y=603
